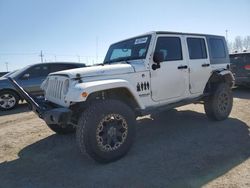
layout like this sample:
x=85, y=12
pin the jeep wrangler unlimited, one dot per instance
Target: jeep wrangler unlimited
x=140, y=75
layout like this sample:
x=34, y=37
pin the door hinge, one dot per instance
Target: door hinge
x=190, y=86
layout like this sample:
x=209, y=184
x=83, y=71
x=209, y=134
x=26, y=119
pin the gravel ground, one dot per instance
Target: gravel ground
x=177, y=148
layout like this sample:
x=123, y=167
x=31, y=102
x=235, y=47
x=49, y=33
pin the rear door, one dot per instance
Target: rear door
x=199, y=64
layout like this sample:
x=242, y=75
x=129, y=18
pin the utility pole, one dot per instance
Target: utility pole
x=79, y=58
x=7, y=66
x=96, y=49
x=226, y=35
x=41, y=55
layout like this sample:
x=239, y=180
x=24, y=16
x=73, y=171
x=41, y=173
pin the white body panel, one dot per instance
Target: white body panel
x=149, y=88
x=198, y=75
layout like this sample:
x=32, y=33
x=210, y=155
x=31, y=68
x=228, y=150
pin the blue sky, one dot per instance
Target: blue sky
x=69, y=30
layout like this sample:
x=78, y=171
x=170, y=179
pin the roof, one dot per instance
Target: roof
x=183, y=33
x=72, y=63
x=168, y=32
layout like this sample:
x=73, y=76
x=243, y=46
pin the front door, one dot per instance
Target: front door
x=32, y=78
x=170, y=81
x=199, y=63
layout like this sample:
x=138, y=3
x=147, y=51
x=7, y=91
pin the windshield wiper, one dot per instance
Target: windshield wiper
x=118, y=60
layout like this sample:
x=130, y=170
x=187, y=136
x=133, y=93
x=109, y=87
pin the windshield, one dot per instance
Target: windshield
x=18, y=72
x=8, y=74
x=131, y=49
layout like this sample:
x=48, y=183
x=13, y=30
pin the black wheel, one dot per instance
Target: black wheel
x=218, y=106
x=106, y=130
x=62, y=129
x=8, y=100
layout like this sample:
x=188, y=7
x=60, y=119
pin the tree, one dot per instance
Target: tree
x=238, y=43
x=246, y=43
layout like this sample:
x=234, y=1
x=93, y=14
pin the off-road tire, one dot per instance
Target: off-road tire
x=90, y=120
x=219, y=104
x=12, y=95
x=62, y=129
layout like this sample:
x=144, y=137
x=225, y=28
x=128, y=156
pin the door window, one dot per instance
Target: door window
x=61, y=67
x=196, y=48
x=170, y=47
x=37, y=71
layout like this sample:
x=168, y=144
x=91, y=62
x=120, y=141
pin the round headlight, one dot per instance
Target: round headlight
x=65, y=87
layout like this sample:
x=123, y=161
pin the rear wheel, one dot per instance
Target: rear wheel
x=61, y=129
x=218, y=105
x=106, y=130
x=8, y=100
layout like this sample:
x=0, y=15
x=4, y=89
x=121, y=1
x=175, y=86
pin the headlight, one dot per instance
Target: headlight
x=65, y=87
x=45, y=84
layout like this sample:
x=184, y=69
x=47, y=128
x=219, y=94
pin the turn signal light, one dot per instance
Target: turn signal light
x=84, y=94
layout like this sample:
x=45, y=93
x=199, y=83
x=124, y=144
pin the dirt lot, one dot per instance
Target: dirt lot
x=178, y=148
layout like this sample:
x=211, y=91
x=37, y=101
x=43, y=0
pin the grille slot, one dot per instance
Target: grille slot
x=55, y=87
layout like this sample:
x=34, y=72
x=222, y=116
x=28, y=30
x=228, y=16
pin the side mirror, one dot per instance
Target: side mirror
x=26, y=76
x=158, y=57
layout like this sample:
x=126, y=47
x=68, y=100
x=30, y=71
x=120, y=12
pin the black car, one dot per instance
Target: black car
x=30, y=78
x=240, y=65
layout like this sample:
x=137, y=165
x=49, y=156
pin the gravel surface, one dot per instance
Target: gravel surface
x=177, y=148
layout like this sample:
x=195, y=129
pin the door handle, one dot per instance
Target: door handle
x=183, y=67
x=205, y=65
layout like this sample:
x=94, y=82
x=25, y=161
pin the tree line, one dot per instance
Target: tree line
x=239, y=44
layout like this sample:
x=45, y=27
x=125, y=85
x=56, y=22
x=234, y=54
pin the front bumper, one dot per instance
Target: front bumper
x=242, y=80
x=49, y=113
x=57, y=116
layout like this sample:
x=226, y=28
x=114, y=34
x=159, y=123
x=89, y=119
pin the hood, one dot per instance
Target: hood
x=4, y=83
x=96, y=71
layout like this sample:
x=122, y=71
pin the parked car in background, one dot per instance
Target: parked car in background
x=30, y=78
x=8, y=74
x=240, y=65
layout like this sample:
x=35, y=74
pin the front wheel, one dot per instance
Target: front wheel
x=218, y=105
x=106, y=130
x=8, y=100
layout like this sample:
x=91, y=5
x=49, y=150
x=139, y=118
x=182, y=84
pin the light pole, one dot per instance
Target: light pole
x=227, y=35
x=7, y=66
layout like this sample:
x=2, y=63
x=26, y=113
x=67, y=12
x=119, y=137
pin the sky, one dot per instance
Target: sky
x=82, y=30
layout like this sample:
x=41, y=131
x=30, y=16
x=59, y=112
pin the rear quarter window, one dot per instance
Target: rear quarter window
x=217, y=48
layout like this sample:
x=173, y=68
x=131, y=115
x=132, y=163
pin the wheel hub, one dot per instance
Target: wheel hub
x=111, y=132
x=7, y=101
x=223, y=102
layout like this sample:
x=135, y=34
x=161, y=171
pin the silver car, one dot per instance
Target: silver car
x=30, y=78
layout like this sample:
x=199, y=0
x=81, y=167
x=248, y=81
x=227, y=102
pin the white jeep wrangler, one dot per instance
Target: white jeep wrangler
x=144, y=74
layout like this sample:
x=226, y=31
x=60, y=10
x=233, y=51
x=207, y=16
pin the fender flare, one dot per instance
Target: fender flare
x=101, y=85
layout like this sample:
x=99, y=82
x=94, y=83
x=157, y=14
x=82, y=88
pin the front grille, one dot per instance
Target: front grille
x=54, y=89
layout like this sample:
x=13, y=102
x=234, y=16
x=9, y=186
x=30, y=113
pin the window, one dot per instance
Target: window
x=217, y=48
x=196, y=48
x=120, y=53
x=38, y=71
x=60, y=67
x=131, y=49
x=171, y=48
